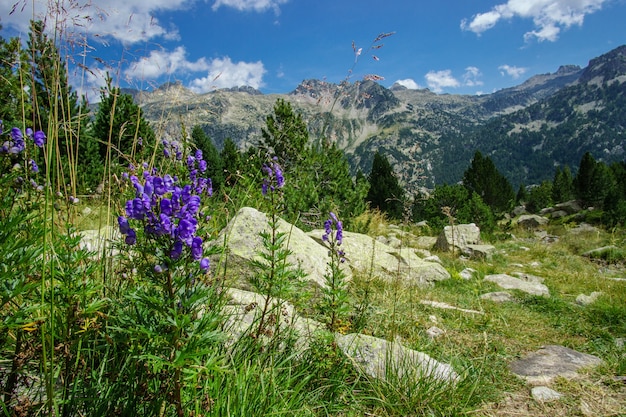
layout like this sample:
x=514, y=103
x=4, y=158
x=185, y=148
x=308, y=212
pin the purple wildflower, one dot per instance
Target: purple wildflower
x=33, y=166
x=196, y=248
x=39, y=138
x=204, y=264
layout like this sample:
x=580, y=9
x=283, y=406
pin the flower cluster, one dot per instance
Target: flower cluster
x=337, y=239
x=274, y=178
x=15, y=144
x=172, y=148
x=169, y=210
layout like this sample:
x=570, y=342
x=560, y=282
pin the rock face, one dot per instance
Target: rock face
x=542, y=366
x=243, y=242
x=378, y=357
x=531, y=221
x=459, y=236
x=530, y=286
x=367, y=255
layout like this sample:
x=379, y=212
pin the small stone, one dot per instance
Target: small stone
x=434, y=332
x=585, y=300
x=497, y=297
x=468, y=273
x=545, y=394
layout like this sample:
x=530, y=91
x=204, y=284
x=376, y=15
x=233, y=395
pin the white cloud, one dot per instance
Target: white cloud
x=250, y=5
x=438, y=80
x=549, y=16
x=223, y=73
x=471, y=78
x=512, y=71
x=161, y=62
x=408, y=83
x=127, y=21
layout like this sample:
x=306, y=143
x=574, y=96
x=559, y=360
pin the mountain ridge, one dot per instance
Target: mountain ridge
x=429, y=138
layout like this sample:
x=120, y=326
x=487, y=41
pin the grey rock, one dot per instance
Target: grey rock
x=570, y=207
x=423, y=223
x=425, y=242
x=545, y=394
x=433, y=258
x=378, y=357
x=531, y=221
x=434, y=332
x=423, y=253
x=511, y=283
x=549, y=362
x=585, y=300
x=603, y=252
x=558, y=214
x=244, y=243
x=528, y=277
x=458, y=236
x=498, y=297
x=468, y=273
x=518, y=211
x=479, y=251
x=584, y=228
x=364, y=253
x=244, y=309
x=100, y=241
x=446, y=306
x=394, y=242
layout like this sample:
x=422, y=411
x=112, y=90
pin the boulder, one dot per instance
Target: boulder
x=549, y=362
x=244, y=309
x=458, y=236
x=243, y=243
x=364, y=253
x=511, y=283
x=531, y=221
x=585, y=300
x=518, y=211
x=378, y=357
x=479, y=251
x=570, y=207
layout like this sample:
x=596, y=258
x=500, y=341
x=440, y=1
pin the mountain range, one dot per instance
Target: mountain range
x=547, y=121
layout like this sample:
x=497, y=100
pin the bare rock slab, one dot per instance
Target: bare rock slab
x=549, y=362
x=378, y=357
x=511, y=283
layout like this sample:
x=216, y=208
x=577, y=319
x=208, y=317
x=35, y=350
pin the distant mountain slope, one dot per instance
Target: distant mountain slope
x=430, y=138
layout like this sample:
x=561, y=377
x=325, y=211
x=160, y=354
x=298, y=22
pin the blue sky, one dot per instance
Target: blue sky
x=449, y=46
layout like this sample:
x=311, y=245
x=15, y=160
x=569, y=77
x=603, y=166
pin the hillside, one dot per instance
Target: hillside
x=548, y=120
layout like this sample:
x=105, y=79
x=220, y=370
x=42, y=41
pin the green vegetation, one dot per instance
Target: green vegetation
x=143, y=326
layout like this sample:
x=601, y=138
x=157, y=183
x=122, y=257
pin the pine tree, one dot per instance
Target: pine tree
x=120, y=127
x=285, y=135
x=593, y=182
x=562, y=185
x=13, y=96
x=385, y=192
x=231, y=159
x=483, y=178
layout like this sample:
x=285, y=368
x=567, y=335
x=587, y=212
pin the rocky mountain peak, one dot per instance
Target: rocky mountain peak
x=606, y=67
